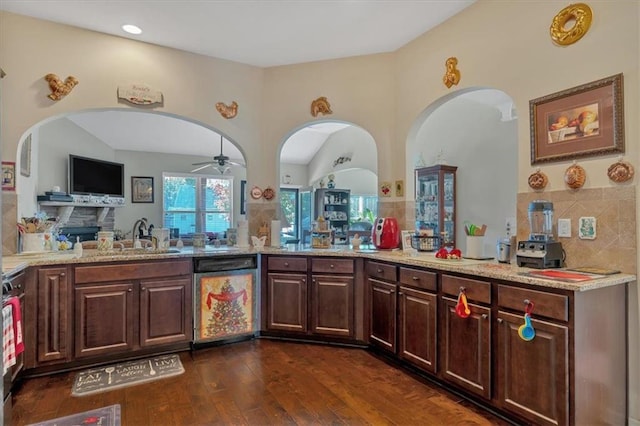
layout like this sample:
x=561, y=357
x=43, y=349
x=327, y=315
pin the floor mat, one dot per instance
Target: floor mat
x=105, y=416
x=116, y=376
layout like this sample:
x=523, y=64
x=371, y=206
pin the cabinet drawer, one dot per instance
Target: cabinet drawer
x=338, y=266
x=290, y=263
x=382, y=271
x=550, y=305
x=480, y=291
x=417, y=278
x=130, y=271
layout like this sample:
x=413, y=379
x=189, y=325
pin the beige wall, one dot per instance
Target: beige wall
x=499, y=44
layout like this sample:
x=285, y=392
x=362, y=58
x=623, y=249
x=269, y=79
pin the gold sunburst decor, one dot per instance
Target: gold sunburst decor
x=578, y=14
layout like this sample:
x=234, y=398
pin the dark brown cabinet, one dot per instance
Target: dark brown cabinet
x=310, y=296
x=53, y=309
x=418, y=318
x=465, y=344
x=383, y=308
x=149, y=305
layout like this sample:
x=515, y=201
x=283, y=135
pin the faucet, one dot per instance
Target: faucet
x=138, y=226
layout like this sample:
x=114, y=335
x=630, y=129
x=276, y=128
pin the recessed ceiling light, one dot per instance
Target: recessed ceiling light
x=131, y=29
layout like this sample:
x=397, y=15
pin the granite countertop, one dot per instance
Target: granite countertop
x=481, y=268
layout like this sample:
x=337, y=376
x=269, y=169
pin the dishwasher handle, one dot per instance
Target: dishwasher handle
x=224, y=263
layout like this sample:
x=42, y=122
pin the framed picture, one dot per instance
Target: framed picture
x=399, y=188
x=583, y=121
x=406, y=241
x=25, y=157
x=587, y=228
x=8, y=176
x=141, y=189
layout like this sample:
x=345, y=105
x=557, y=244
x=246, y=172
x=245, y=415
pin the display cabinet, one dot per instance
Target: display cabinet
x=333, y=205
x=436, y=201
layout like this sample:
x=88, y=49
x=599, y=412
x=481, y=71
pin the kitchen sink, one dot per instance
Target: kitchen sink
x=135, y=251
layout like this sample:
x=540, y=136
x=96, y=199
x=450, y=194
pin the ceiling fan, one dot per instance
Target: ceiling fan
x=221, y=162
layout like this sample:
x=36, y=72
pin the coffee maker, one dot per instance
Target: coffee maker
x=540, y=250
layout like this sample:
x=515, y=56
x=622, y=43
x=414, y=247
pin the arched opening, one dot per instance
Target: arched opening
x=322, y=162
x=474, y=129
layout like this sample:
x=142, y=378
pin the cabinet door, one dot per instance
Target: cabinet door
x=332, y=305
x=53, y=310
x=105, y=318
x=383, y=314
x=533, y=376
x=165, y=311
x=465, y=347
x=417, y=340
x=287, y=302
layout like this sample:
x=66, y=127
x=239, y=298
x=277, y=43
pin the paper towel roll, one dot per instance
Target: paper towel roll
x=243, y=234
x=276, y=227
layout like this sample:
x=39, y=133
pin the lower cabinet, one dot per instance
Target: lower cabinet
x=51, y=303
x=417, y=340
x=142, y=313
x=312, y=296
x=383, y=314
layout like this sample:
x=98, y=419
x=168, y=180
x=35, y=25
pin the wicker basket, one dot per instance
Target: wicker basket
x=425, y=242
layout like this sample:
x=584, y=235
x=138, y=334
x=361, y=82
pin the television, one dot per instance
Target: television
x=89, y=176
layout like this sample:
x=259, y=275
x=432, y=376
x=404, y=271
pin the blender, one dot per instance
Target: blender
x=540, y=250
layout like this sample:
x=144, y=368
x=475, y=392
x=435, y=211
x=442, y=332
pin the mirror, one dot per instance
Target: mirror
x=147, y=143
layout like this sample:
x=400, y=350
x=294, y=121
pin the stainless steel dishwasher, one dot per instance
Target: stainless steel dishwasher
x=225, y=298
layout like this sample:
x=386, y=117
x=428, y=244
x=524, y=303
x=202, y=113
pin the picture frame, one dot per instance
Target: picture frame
x=583, y=121
x=25, y=157
x=587, y=228
x=142, y=189
x=405, y=240
x=8, y=176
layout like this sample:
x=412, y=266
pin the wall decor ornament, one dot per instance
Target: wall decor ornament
x=320, y=106
x=583, y=121
x=8, y=176
x=580, y=15
x=452, y=75
x=399, y=188
x=25, y=157
x=620, y=171
x=227, y=111
x=341, y=160
x=140, y=94
x=59, y=88
x=385, y=189
x=575, y=176
x=256, y=193
x=538, y=180
x=268, y=193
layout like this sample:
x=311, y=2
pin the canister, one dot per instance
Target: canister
x=105, y=240
x=198, y=240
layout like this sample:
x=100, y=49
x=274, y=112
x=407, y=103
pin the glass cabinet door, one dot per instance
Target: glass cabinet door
x=435, y=201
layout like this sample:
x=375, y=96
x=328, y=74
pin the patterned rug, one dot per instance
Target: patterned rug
x=116, y=376
x=105, y=416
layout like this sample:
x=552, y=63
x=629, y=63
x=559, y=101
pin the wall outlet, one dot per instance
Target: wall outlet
x=510, y=223
x=564, y=228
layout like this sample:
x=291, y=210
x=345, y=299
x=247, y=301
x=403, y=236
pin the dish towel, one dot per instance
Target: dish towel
x=8, y=341
x=17, y=323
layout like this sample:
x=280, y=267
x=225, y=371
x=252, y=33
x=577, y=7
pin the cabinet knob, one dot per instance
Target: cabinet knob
x=400, y=293
x=500, y=320
x=415, y=278
x=286, y=263
x=129, y=290
x=331, y=266
x=380, y=271
x=143, y=288
x=62, y=274
x=485, y=316
x=304, y=280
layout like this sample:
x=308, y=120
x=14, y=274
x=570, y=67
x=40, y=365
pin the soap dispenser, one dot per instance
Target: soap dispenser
x=77, y=248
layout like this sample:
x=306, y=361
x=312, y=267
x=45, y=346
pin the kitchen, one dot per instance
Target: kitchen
x=368, y=105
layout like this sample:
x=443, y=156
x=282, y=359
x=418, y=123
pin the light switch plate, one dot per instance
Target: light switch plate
x=564, y=228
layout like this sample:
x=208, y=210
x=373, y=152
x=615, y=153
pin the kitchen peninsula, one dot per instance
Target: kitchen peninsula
x=402, y=306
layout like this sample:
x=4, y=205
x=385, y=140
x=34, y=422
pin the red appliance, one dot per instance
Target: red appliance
x=385, y=233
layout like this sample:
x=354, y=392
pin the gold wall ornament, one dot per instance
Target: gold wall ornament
x=320, y=106
x=575, y=176
x=227, y=111
x=620, y=171
x=580, y=15
x=452, y=75
x=59, y=88
x=538, y=180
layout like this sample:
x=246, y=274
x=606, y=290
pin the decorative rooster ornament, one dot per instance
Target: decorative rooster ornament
x=59, y=88
x=227, y=111
x=320, y=106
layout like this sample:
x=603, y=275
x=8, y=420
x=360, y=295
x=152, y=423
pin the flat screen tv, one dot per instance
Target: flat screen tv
x=89, y=176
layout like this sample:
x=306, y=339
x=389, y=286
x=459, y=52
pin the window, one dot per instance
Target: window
x=197, y=203
x=363, y=208
x=289, y=203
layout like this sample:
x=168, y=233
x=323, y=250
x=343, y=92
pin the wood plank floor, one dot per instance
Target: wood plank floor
x=263, y=382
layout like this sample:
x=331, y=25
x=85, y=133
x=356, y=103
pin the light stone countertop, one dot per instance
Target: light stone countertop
x=480, y=268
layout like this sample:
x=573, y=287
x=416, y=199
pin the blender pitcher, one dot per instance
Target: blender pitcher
x=541, y=220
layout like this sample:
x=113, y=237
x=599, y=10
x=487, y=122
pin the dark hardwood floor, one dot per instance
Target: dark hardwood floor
x=263, y=382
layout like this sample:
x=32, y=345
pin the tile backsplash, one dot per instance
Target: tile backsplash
x=615, y=211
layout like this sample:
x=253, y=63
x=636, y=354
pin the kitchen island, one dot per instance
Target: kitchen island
x=403, y=306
